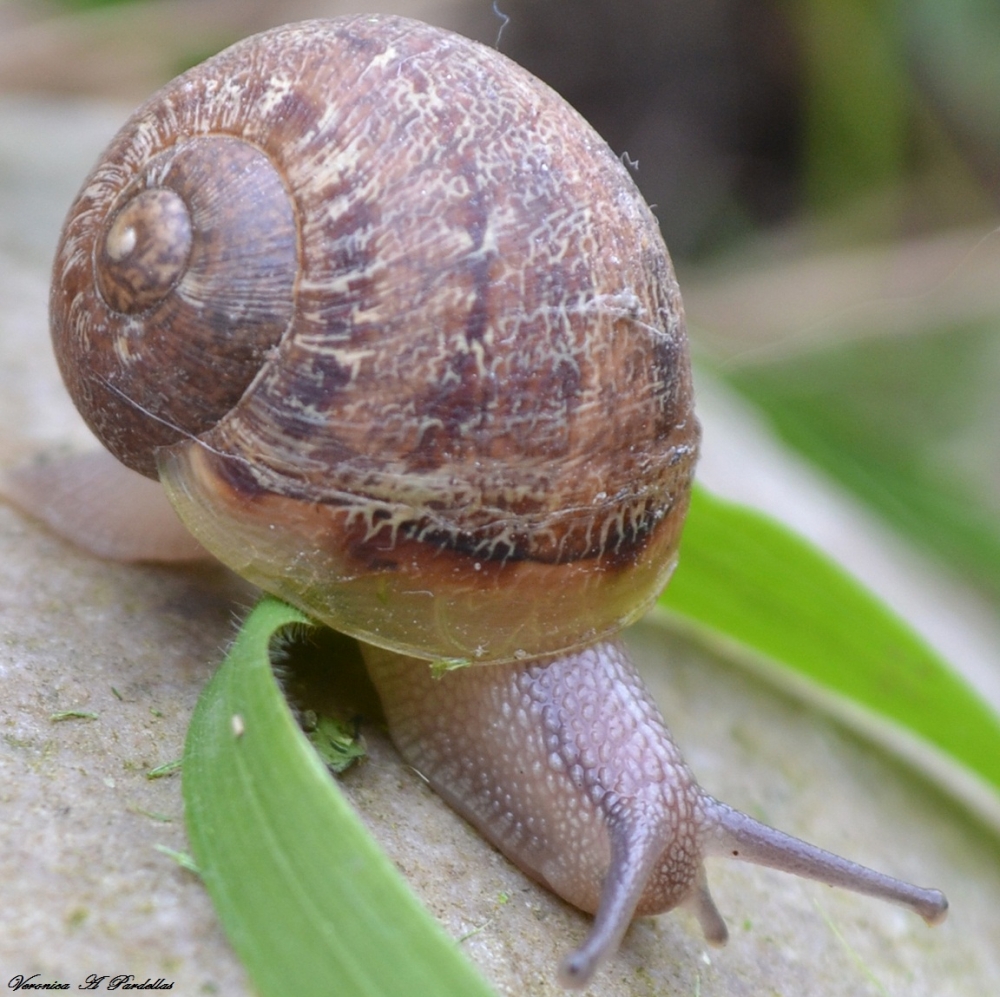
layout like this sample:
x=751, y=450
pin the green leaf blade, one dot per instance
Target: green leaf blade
x=308, y=900
x=906, y=423
x=748, y=582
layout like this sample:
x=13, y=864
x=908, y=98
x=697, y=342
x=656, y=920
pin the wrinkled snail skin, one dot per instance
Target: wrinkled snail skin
x=567, y=766
x=400, y=338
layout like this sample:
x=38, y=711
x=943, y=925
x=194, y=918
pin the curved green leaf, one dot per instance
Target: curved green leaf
x=308, y=900
x=905, y=422
x=766, y=595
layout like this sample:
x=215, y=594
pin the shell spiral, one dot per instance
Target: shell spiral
x=398, y=333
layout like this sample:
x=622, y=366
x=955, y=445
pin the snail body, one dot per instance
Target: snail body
x=400, y=338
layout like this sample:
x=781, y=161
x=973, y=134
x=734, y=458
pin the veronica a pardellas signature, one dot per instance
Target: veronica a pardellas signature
x=122, y=981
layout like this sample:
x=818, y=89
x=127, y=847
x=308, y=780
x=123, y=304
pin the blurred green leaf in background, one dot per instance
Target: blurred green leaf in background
x=91, y=4
x=858, y=102
x=900, y=140
x=909, y=424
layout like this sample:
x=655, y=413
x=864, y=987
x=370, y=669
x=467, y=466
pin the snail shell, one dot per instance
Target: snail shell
x=399, y=336
x=429, y=326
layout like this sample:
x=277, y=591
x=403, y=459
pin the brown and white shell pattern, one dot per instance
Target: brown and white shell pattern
x=420, y=290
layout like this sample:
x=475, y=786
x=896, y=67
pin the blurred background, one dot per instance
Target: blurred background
x=826, y=172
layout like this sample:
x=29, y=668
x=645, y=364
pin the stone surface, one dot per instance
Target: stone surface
x=86, y=891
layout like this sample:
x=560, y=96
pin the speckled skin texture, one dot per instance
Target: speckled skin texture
x=560, y=761
x=566, y=765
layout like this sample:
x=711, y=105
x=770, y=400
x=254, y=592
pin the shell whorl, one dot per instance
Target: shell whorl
x=186, y=269
x=484, y=356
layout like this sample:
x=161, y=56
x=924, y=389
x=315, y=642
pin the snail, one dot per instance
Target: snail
x=402, y=342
